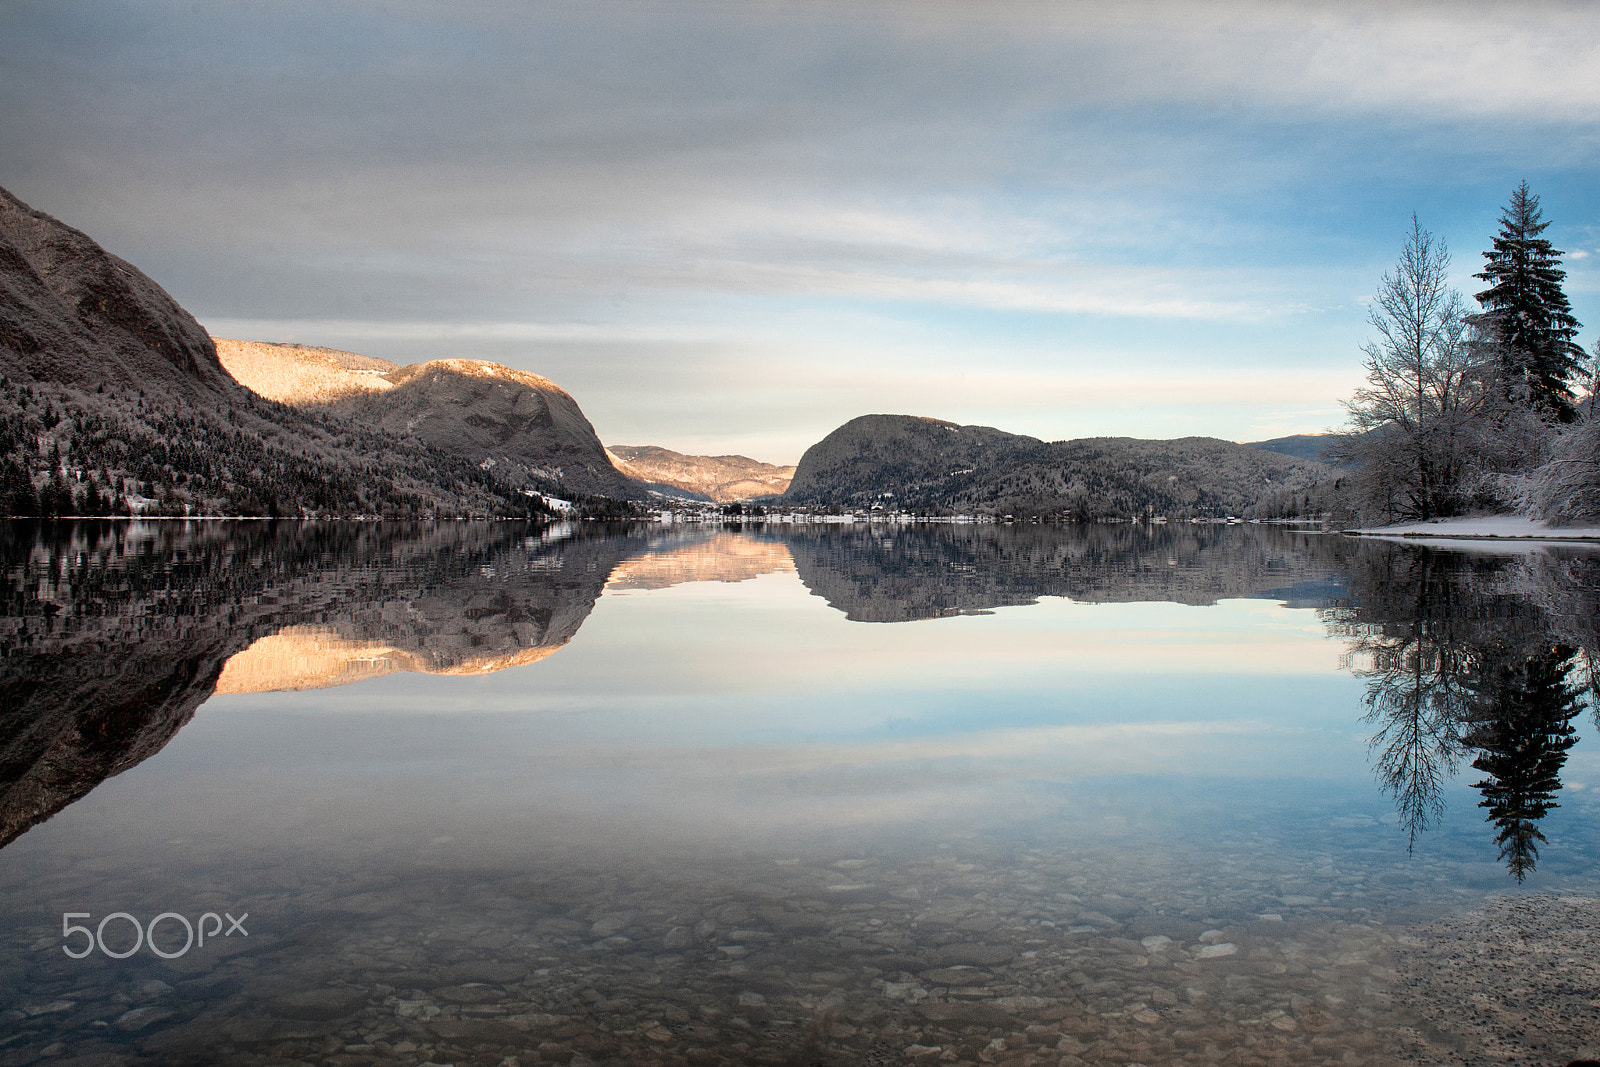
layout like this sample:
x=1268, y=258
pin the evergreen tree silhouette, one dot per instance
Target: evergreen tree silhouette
x=17, y=495
x=1526, y=317
x=1522, y=729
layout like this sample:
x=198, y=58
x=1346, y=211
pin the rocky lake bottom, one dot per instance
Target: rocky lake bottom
x=962, y=952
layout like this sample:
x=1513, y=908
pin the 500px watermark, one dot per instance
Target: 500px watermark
x=146, y=935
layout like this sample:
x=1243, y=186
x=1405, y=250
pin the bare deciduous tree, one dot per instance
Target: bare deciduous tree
x=1412, y=432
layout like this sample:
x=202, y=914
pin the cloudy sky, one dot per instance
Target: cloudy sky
x=729, y=227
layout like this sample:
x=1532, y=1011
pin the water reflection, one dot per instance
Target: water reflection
x=1469, y=655
x=926, y=572
x=653, y=795
x=1521, y=728
x=115, y=633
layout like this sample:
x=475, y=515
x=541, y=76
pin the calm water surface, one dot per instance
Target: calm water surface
x=498, y=795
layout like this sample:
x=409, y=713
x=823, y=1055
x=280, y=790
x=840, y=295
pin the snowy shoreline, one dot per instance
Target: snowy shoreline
x=1482, y=528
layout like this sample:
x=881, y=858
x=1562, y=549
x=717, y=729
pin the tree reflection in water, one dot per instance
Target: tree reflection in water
x=113, y=633
x=1521, y=726
x=1415, y=664
x=1463, y=655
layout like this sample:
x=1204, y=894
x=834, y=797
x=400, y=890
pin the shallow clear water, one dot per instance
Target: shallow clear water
x=774, y=795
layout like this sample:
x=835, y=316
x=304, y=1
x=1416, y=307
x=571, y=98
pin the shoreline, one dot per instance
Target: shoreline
x=1480, y=528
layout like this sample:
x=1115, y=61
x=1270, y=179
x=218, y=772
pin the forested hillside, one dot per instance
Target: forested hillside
x=112, y=399
x=723, y=479
x=527, y=429
x=926, y=465
x=1307, y=446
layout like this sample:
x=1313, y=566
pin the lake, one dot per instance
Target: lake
x=498, y=794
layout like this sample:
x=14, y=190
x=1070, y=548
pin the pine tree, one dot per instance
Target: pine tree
x=93, y=502
x=55, y=498
x=17, y=495
x=1526, y=318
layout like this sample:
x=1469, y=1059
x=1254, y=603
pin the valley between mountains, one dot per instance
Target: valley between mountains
x=114, y=400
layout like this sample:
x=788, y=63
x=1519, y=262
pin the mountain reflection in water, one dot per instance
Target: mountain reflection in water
x=115, y=633
x=494, y=793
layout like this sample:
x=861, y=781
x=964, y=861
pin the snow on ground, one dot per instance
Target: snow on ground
x=1483, y=527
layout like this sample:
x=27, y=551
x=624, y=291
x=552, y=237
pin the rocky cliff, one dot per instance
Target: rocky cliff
x=523, y=424
x=302, y=375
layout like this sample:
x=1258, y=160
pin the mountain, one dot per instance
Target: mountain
x=113, y=397
x=922, y=464
x=723, y=479
x=1306, y=446
x=301, y=375
x=901, y=457
x=524, y=427
x=73, y=314
x=1333, y=499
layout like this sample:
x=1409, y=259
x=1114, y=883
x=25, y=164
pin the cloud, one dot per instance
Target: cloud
x=1442, y=60
x=369, y=119
x=595, y=188
x=1107, y=747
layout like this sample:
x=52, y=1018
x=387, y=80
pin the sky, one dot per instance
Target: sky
x=731, y=227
